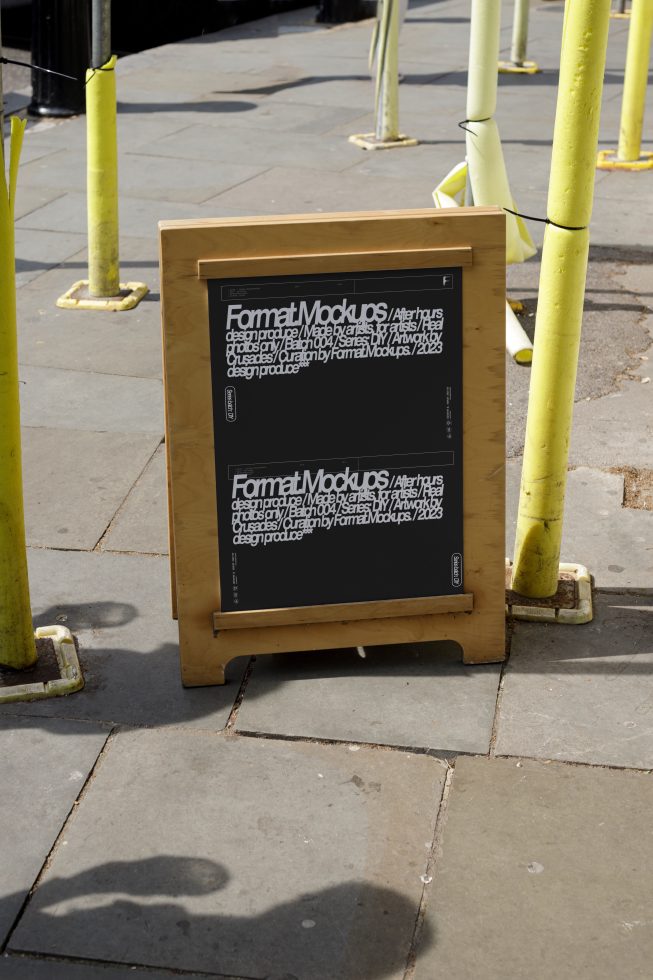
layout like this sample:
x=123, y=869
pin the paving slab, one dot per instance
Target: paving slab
x=602, y=436
x=139, y=217
x=603, y=433
x=126, y=343
x=300, y=189
x=37, y=251
x=410, y=695
x=73, y=487
x=613, y=541
x=208, y=143
x=252, y=857
x=43, y=766
x=71, y=133
x=268, y=114
x=29, y=199
x=13, y=967
x=142, y=522
x=157, y=178
x=582, y=693
x=544, y=872
x=118, y=606
x=61, y=399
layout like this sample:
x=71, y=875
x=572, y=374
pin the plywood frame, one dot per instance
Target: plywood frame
x=192, y=251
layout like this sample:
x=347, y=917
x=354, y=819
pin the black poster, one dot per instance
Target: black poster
x=337, y=404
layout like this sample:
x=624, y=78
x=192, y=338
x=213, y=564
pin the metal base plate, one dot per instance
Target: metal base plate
x=527, y=68
x=607, y=160
x=79, y=298
x=571, y=604
x=71, y=679
x=368, y=141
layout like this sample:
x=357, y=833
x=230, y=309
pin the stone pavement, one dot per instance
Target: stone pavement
x=321, y=817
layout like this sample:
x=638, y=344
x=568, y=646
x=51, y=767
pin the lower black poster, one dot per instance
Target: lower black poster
x=337, y=404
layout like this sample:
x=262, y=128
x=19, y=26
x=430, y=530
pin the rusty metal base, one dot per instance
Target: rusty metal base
x=571, y=604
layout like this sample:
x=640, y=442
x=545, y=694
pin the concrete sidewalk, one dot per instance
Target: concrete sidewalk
x=321, y=817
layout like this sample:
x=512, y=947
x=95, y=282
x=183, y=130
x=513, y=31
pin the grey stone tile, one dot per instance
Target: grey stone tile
x=139, y=177
x=43, y=766
x=620, y=220
x=613, y=541
x=603, y=433
x=73, y=487
x=582, y=693
x=142, y=523
x=411, y=695
x=16, y=967
x=272, y=149
x=35, y=149
x=126, y=343
x=60, y=399
x=252, y=857
x=118, y=606
x=37, y=251
x=268, y=114
x=30, y=199
x=297, y=190
x=550, y=864
x=138, y=217
x=606, y=403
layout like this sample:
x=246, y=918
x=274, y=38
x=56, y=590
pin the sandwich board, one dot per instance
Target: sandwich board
x=335, y=432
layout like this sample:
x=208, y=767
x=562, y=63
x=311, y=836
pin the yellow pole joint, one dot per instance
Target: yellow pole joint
x=17, y=646
x=560, y=301
x=102, y=180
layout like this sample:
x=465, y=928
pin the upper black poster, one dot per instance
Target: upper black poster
x=337, y=404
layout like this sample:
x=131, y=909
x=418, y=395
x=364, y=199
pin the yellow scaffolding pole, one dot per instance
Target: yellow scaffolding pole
x=17, y=646
x=629, y=154
x=560, y=301
x=384, y=51
x=103, y=289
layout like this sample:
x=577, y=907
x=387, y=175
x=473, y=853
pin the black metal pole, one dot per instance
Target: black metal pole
x=60, y=42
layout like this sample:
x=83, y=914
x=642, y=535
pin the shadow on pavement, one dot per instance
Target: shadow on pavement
x=212, y=106
x=345, y=932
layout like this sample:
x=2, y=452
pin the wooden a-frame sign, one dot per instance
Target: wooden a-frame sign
x=335, y=432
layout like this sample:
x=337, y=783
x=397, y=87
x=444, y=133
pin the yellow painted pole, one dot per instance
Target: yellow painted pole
x=102, y=181
x=560, y=300
x=17, y=646
x=387, y=101
x=635, y=80
x=519, y=32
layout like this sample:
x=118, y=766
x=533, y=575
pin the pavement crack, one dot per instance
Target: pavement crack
x=497, y=707
x=230, y=727
x=434, y=854
x=123, y=503
x=55, y=846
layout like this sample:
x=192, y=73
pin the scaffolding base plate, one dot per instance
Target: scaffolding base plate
x=607, y=160
x=70, y=679
x=511, y=68
x=571, y=604
x=368, y=141
x=79, y=298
